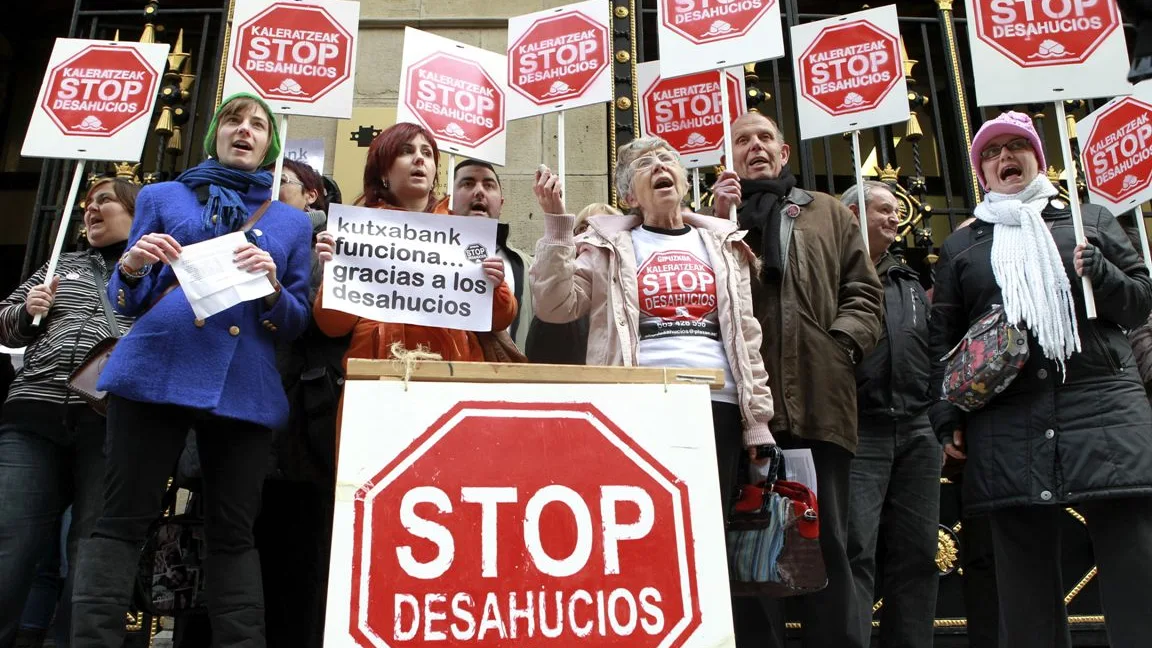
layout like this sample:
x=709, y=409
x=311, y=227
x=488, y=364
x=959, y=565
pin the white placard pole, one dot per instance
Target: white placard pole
x=451, y=180
x=727, y=116
x=62, y=232
x=696, y=189
x=1074, y=201
x=280, y=158
x=1143, y=229
x=560, y=146
x=863, y=208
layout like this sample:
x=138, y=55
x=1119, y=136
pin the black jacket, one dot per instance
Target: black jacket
x=1051, y=439
x=892, y=381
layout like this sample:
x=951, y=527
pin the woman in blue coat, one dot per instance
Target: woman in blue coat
x=216, y=375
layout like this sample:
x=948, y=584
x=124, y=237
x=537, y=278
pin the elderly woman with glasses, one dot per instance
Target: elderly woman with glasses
x=681, y=282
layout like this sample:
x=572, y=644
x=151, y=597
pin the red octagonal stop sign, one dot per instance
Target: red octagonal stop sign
x=707, y=21
x=1036, y=33
x=294, y=52
x=455, y=99
x=557, y=58
x=99, y=91
x=686, y=110
x=850, y=68
x=1118, y=150
x=513, y=524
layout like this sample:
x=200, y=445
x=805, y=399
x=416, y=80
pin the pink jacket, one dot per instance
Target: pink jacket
x=596, y=275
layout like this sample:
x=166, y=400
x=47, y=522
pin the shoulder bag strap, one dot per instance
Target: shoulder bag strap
x=98, y=275
x=248, y=224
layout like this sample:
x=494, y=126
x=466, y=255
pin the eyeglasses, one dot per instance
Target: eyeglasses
x=647, y=161
x=1018, y=144
x=286, y=180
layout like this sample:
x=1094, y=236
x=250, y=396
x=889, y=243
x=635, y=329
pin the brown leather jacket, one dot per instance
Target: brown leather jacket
x=829, y=284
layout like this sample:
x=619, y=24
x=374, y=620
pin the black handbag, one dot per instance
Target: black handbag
x=170, y=578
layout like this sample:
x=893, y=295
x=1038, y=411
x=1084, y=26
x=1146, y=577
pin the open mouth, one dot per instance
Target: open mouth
x=1010, y=171
x=663, y=183
x=759, y=159
x=419, y=173
x=242, y=145
x=478, y=207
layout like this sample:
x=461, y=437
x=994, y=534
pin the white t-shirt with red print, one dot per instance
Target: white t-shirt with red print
x=679, y=326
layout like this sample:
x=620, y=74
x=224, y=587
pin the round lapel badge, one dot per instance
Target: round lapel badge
x=72, y=275
x=792, y=210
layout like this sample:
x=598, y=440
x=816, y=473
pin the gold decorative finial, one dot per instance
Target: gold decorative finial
x=750, y=76
x=889, y=175
x=909, y=63
x=164, y=124
x=177, y=57
x=149, y=35
x=116, y=36
x=1054, y=175
x=127, y=171
x=913, y=132
x=175, y=145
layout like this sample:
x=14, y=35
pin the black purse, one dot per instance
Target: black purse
x=170, y=578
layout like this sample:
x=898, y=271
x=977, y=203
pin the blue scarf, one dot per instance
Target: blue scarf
x=225, y=185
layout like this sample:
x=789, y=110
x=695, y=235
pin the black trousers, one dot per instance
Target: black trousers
x=1030, y=583
x=829, y=617
x=144, y=442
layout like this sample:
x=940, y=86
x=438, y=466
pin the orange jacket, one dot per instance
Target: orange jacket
x=373, y=340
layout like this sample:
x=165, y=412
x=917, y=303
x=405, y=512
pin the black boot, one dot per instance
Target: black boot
x=102, y=593
x=235, y=599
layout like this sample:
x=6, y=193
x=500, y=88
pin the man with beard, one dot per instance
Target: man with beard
x=819, y=302
x=477, y=192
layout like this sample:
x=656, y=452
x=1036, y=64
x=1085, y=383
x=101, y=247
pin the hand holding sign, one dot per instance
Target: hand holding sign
x=549, y=191
x=727, y=193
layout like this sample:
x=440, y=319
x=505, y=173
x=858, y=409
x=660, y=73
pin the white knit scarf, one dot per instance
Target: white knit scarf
x=1029, y=270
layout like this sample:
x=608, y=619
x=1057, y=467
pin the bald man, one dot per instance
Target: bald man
x=819, y=302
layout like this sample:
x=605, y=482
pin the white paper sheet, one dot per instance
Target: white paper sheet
x=211, y=280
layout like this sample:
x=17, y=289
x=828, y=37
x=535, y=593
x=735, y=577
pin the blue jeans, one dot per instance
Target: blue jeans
x=50, y=574
x=45, y=465
x=895, y=494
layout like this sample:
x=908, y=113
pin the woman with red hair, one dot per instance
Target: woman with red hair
x=400, y=174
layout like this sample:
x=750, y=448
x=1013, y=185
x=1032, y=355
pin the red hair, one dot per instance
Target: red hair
x=382, y=152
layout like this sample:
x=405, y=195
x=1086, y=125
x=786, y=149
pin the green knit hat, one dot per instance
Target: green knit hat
x=273, y=137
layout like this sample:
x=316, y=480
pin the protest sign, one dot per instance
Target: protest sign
x=300, y=57
x=306, y=151
x=410, y=267
x=850, y=73
x=687, y=112
x=698, y=35
x=1116, y=151
x=457, y=92
x=96, y=100
x=517, y=514
x=559, y=59
x=1033, y=51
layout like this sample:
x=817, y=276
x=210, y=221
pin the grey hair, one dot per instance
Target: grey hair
x=629, y=152
x=852, y=195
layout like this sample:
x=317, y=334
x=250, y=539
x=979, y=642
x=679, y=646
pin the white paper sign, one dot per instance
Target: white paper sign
x=457, y=91
x=1031, y=51
x=212, y=281
x=96, y=100
x=685, y=111
x=410, y=267
x=698, y=35
x=1116, y=151
x=503, y=514
x=559, y=58
x=849, y=72
x=306, y=151
x=300, y=57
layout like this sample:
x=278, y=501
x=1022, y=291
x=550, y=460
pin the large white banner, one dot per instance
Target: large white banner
x=559, y=58
x=527, y=515
x=299, y=56
x=96, y=100
x=410, y=267
x=1029, y=51
x=850, y=73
